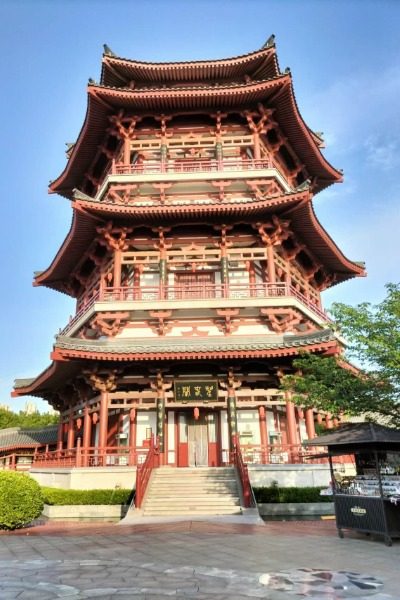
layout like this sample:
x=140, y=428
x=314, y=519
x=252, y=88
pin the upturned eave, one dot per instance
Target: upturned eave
x=118, y=70
x=276, y=93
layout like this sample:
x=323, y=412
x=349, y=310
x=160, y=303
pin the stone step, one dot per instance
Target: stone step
x=165, y=512
x=154, y=500
x=195, y=485
x=204, y=491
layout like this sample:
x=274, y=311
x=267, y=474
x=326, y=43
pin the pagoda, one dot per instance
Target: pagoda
x=197, y=263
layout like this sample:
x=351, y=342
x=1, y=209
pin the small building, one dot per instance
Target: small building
x=197, y=264
x=18, y=446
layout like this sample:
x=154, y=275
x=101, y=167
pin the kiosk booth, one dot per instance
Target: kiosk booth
x=369, y=501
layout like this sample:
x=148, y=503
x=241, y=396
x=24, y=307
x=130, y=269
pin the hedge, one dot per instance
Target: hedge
x=21, y=500
x=275, y=494
x=59, y=497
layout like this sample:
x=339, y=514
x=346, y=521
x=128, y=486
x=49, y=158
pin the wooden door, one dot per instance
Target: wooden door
x=194, y=285
x=198, y=440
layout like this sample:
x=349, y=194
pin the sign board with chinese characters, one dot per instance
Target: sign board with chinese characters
x=196, y=391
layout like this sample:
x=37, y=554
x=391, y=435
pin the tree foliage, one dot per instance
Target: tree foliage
x=373, y=337
x=26, y=420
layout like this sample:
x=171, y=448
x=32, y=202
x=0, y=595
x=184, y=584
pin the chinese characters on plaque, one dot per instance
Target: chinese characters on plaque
x=192, y=391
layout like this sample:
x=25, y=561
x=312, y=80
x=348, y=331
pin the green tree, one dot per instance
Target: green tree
x=25, y=420
x=372, y=333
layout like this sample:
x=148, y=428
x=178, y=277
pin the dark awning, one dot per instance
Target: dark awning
x=353, y=437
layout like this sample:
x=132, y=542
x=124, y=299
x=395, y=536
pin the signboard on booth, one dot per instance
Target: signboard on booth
x=196, y=391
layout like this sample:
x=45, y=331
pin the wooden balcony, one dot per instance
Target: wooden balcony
x=175, y=296
x=199, y=170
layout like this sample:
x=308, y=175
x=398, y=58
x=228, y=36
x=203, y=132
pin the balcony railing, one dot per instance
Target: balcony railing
x=125, y=456
x=207, y=292
x=114, y=456
x=176, y=293
x=192, y=166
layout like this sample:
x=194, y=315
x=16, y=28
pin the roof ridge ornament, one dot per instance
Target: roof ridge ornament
x=269, y=43
x=108, y=52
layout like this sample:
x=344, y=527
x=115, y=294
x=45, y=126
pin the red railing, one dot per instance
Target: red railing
x=16, y=462
x=195, y=292
x=258, y=454
x=144, y=471
x=117, y=456
x=192, y=166
x=241, y=467
x=208, y=291
x=80, y=312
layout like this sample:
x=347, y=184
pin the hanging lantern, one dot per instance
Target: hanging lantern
x=196, y=413
x=95, y=418
x=132, y=415
x=79, y=423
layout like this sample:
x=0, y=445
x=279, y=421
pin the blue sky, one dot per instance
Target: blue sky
x=344, y=57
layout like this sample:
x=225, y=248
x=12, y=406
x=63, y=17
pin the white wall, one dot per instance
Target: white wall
x=145, y=419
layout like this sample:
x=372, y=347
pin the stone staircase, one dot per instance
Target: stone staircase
x=192, y=491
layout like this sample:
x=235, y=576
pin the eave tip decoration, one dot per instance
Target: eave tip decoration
x=269, y=43
x=107, y=51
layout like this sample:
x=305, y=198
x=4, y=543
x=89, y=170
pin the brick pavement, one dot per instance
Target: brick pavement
x=192, y=559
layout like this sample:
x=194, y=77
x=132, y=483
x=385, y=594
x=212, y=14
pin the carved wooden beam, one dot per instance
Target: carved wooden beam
x=109, y=324
x=115, y=238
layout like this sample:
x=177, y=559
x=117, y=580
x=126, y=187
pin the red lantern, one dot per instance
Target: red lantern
x=79, y=423
x=196, y=413
x=95, y=418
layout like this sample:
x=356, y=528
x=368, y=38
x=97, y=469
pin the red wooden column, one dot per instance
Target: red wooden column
x=132, y=437
x=231, y=386
x=252, y=277
x=124, y=128
x=291, y=426
x=224, y=261
x=263, y=434
x=117, y=268
x=71, y=433
x=87, y=436
x=116, y=239
x=103, y=420
x=160, y=387
x=328, y=421
x=310, y=426
x=103, y=383
x=271, y=264
x=60, y=432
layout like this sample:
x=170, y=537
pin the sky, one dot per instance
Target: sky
x=344, y=57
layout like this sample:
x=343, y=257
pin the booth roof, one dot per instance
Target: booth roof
x=358, y=434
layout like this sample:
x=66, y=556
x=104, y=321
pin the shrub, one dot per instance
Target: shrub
x=275, y=494
x=21, y=500
x=60, y=497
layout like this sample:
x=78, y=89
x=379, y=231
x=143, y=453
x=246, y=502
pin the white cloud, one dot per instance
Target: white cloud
x=356, y=108
x=381, y=153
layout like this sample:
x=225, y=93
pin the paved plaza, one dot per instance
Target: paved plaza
x=197, y=560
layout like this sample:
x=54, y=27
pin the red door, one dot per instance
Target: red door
x=198, y=443
x=194, y=285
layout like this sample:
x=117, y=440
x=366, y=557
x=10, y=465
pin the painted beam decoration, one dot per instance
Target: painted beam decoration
x=193, y=391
